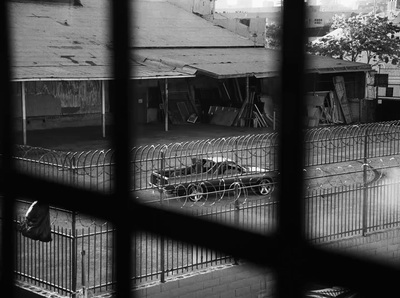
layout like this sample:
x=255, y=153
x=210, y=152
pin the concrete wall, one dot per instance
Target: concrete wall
x=49, y=122
x=202, y=7
x=256, y=27
x=228, y=281
x=381, y=246
x=59, y=98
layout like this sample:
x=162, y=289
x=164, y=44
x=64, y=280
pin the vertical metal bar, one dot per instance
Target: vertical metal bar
x=54, y=254
x=89, y=253
x=58, y=256
x=107, y=256
x=145, y=253
x=166, y=105
x=94, y=252
x=74, y=260
x=103, y=108
x=162, y=239
x=101, y=254
x=83, y=274
x=365, y=185
x=23, y=108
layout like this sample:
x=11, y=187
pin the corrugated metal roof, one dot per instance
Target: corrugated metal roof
x=161, y=24
x=240, y=62
x=320, y=64
x=65, y=42
x=95, y=72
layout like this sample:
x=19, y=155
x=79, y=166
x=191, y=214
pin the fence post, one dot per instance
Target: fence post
x=162, y=239
x=365, y=186
x=73, y=255
x=84, y=288
x=74, y=259
x=162, y=172
x=236, y=213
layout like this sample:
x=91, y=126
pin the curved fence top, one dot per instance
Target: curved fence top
x=313, y=134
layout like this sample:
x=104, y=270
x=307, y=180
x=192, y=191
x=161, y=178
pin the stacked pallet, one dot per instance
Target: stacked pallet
x=328, y=107
x=246, y=112
x=250, y=115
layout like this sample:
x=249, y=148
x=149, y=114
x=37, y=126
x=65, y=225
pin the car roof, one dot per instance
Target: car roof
x=215, y=159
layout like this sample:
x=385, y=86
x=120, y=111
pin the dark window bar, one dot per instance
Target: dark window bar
x=122, y=134
x=6, y=141
x=295, y=262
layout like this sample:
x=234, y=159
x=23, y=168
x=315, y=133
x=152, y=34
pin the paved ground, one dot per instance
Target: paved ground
x=90, y=138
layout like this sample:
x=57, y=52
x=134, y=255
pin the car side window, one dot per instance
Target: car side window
x=231, y=169
x=197, y=167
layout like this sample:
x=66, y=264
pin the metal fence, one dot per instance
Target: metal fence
x=84, y=258
x=72, y=261
x=80, y=258
x=323, y=146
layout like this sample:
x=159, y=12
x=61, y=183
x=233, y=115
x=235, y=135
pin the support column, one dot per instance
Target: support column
x=247, y=87
x=103, y=108
x=166, y=105
x=23, y=107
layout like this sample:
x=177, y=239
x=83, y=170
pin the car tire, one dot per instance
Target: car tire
x=265, y=187
x=196, y=192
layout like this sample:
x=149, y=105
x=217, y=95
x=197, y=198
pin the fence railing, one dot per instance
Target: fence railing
x=79, y=258
x=85, y=258
x=323, y=146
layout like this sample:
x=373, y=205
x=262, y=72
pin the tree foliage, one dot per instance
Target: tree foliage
x=366, y=35
x=273, y=34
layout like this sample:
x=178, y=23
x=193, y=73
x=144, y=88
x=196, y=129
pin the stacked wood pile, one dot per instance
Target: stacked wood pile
x=246, y=111
x=322, y=107
x=328, y=107
x=181, y=103
x=248, y=115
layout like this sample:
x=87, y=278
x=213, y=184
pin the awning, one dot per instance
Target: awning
x=139, y=71
x=221, y=63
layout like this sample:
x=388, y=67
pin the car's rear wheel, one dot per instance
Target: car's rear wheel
x=196, y=193
x=265, y=187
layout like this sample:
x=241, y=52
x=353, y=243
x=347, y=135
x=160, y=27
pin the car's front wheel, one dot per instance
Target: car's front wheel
x=196, y=193
x=265, y=187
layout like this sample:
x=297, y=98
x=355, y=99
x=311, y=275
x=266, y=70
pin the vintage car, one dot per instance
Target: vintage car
x=213, y=174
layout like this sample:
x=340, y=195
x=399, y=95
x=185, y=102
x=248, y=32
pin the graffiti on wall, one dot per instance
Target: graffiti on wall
x=75, y=97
